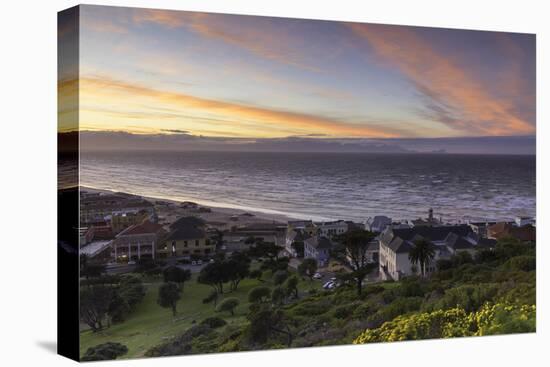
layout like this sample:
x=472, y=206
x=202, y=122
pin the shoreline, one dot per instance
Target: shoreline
x=217, y=213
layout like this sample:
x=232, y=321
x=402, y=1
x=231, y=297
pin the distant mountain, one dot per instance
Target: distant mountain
x=177, y=140
x=93, y=141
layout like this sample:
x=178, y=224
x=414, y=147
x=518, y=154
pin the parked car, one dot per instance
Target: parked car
x=328, y=285
x=211, y=261
x=193, y=262
x=199, y=262
x=317, y=276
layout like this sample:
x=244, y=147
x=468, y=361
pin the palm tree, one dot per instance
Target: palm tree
x=422, y=253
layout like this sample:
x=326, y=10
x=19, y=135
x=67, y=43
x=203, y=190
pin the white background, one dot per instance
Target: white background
x=28, y=181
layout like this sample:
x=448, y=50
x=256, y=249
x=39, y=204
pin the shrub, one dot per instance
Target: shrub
x=494, y=319
x=411, y=288
x=312, y=307
x=398, y=307
x=522, y=263
x=213, y=322
x=344, y=311
x=363, y=311
x=279, y=277
x=229, y=305
x=278, y=295
x=467, y=297
x=103, y=352
x=388, y=296
x=374, y=289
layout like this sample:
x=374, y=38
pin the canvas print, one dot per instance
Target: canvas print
x=242, y=183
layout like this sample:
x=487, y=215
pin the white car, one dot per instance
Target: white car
x=199, y=262
x=328, y=285
x=193, y=262
x=317, y=276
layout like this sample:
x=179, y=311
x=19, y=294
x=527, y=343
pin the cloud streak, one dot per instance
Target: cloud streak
x=258, y=35
x=452, y=96
x=264, y=118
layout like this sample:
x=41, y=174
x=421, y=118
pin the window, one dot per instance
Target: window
x=184, y=243
x=197, y=243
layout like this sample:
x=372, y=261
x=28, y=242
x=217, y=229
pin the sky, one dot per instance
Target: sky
x=241, y=78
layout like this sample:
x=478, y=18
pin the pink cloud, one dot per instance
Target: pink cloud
x=454, y=96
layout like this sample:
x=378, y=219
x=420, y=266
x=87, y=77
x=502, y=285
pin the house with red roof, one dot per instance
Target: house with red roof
x=137, y=241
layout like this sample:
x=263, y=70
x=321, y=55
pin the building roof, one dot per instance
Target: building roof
x=380, y=220
x=261, y=226
x=186, y=234
x=503, y=230
x=187, y=228
x=185, y=222
x=298, y=235
x=94, y=248
x=457, y=242
x=318, y=242
x=402, y=239
x=145, y=227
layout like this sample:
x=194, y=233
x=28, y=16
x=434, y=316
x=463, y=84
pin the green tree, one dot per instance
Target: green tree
x=215, y=275
x=259, y=295
x=177, y=275
x=88, y=269
x=278, y=296
x=308, y=268
x=265, y=250
x=229, y=305
x=279, y=277
x=238, y=268
x=256, y=274
x=94, y=305
x=211, y=298
x=131, y=289
x=422, y=253
x=266, y=320
x=291, y=286
x=355, y=245
x=169, y=295
x=118, y=308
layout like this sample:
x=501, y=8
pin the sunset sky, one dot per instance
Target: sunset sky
x=153, y=71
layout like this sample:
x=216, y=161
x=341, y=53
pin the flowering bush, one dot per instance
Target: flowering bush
x=490, y=319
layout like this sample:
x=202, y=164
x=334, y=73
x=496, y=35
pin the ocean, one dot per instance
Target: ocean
x=326, y=186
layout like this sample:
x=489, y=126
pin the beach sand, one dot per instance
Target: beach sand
x=220, y=217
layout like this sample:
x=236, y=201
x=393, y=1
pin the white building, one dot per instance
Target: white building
x=395, y=245
x=523, y=221
x=331, y=229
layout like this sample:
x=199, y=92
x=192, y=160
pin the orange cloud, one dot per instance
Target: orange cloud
x=265, y=119
x=263, y=39
x=455, y=97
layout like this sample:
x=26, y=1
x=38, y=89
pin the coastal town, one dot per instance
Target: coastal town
x=161, y=277
x=118, y=230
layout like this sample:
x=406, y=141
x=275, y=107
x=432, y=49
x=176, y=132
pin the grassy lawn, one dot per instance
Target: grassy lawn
x=151, y=324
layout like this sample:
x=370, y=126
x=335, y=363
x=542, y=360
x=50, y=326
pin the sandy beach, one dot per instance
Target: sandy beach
x=168, y=210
